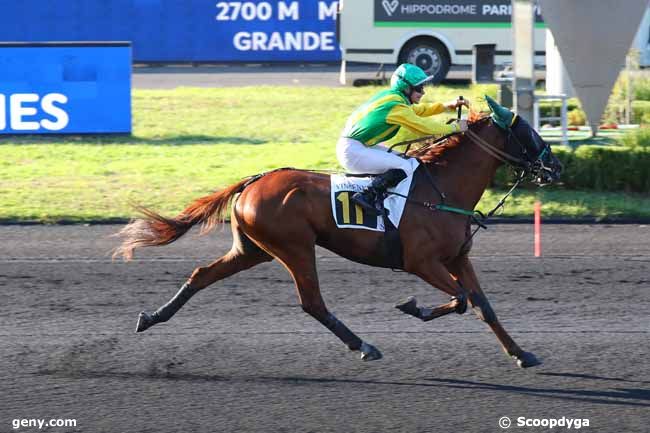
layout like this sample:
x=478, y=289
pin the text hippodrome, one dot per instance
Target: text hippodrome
x=457, y=9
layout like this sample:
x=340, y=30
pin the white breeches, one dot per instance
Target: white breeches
x=357, y=158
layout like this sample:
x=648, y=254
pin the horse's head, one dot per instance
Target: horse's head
x=528, y=150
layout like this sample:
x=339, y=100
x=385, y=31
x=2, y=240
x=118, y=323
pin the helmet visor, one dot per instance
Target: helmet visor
x=424, y=81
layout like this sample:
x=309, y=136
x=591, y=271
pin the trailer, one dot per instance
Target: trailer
x=431, y=34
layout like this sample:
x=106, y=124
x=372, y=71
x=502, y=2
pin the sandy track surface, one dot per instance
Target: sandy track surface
x=242, y=356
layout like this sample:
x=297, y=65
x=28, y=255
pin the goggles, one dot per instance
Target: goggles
x=419, y=89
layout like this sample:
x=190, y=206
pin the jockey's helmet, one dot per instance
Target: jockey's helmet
x=408, y=76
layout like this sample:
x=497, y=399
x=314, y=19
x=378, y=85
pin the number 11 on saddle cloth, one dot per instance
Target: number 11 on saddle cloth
x=348, y=215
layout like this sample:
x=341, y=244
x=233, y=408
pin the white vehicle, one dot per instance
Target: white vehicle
x=431, y=34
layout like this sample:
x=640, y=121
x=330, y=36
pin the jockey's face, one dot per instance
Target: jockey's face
x=416, y=94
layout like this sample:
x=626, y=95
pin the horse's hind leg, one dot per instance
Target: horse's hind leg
x=300, y=261
x=243, y=255
x=463, y=268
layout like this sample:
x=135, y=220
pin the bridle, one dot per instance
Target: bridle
x=523, y=163
x=527, y=166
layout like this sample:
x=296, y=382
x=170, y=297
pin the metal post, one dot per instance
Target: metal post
x=564, y=121
x=342, y=77
x=628, y=91
x=523, y=25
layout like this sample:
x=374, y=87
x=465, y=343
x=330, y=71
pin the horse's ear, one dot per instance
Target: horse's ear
x=500, y=115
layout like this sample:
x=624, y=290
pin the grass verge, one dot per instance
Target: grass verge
x=187, y=142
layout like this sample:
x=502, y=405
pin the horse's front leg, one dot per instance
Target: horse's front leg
x=438, y=276
x=462, y=268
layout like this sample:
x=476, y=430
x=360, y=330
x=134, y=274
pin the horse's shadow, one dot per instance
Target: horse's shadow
x=620, y=396
x=594, y=377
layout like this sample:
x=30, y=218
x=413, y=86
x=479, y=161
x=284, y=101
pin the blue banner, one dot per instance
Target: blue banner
x=65, y=88
x=184, y=30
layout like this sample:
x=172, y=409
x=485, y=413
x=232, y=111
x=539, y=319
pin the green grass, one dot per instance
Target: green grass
x=570, y=204
x=187, y=142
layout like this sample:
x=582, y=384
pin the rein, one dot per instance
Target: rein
x=495, y=151
x=477, y=216
x=408, y=143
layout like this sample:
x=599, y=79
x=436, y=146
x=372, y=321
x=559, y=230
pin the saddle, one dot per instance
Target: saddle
x=349, y=215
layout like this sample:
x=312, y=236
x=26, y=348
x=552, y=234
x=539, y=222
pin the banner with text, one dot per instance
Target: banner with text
x=447, y=13
x=184, y=31
x=65, y=88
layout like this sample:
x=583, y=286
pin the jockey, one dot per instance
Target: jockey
x=359, y=150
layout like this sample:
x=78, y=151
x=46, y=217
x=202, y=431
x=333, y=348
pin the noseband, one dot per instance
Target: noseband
x=524, y=163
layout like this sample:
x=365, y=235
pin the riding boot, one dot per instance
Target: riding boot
x=374, y=192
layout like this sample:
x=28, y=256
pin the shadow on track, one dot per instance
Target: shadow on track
x=594, y=377
x=617, y=396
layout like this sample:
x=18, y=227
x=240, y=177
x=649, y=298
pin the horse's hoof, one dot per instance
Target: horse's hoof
x=409, y=306
x=461, y=303
x=527, y=359
x=145, y=321
x=369, y=352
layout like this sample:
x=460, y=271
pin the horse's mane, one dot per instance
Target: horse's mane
x=429, y=151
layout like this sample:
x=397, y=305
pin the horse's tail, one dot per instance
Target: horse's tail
x=156, y=229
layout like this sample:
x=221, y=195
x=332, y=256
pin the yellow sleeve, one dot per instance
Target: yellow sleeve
x=404, y=115
x=428, y=109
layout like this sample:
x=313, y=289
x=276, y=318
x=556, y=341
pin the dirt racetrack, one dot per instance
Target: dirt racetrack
x=243, y=357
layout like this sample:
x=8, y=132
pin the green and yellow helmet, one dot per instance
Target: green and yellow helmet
x=408, y=75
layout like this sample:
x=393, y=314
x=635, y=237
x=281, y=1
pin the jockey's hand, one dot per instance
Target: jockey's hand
x=452, y=105
x=462, y=125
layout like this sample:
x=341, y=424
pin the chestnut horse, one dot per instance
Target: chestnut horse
x=284, y=214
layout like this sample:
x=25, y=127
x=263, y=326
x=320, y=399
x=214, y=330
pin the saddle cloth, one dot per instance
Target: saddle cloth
x=347, y=214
